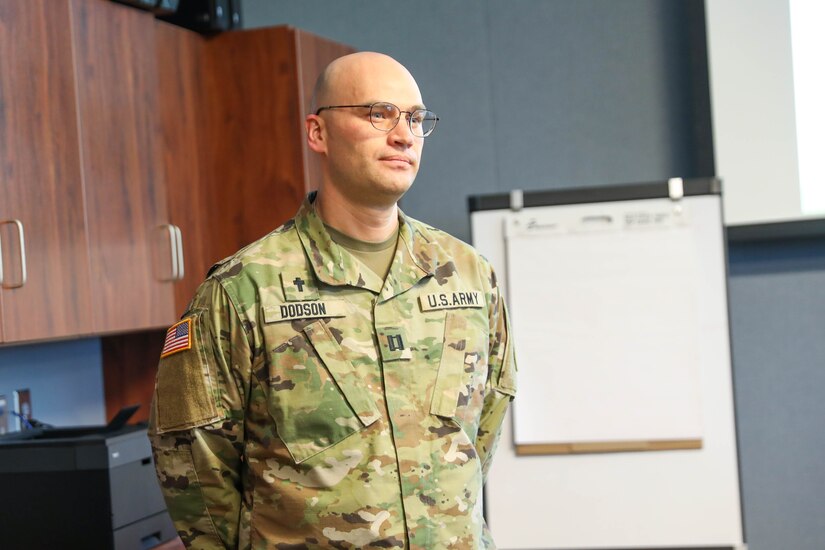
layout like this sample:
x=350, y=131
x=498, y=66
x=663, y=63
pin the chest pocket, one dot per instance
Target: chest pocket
x=462, y=371
x=315, y=396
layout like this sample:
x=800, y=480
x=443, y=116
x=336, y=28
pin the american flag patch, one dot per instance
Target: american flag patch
x=178, y=338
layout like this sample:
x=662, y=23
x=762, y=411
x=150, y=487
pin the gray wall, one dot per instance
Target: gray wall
x=778, y=330
x=561, y=93
x=531, y=94
x=64, y=378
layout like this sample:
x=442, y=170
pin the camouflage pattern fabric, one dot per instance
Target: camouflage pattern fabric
x=320, y=407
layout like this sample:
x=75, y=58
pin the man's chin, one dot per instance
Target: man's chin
x=389, y=192
x=376, y=192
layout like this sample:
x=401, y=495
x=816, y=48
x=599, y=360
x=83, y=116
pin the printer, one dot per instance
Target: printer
x=85, y=487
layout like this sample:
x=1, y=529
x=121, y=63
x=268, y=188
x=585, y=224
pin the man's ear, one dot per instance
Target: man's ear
x=316, y=133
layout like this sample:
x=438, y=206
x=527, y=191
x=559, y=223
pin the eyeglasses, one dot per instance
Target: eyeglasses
x=385, y=116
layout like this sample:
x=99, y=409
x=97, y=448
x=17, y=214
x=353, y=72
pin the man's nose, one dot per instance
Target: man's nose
x=402, y=134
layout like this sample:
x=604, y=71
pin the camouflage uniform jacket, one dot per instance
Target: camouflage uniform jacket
x=317, y=406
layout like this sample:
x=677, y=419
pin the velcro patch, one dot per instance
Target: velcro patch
x=394, y=346
x=305, y=310
x=298, y=285
x=451, y=300
x=178, y=338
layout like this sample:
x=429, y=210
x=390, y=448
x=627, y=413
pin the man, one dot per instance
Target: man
x=341, y=382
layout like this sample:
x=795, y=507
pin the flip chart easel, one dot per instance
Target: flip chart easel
x=618, y=303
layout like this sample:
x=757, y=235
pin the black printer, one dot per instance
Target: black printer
x=85, y=487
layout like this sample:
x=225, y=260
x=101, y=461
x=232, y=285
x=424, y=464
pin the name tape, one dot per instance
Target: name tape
x=305, y=310
x=451, y=300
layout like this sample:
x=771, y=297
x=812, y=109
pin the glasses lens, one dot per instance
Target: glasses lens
x=384, y=116
x=422, y=122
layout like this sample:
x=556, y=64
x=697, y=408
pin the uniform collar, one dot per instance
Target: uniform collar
x=417, y=255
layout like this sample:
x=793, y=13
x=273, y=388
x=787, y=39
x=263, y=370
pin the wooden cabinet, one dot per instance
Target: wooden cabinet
x=41, y=191
x=86, y=245
x=234, y=159
x=183, y=159
x=135, y=154
x=258, y=162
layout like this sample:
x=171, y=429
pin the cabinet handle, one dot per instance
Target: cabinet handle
x=21, y=239
x=179, y=236
x=173, y=245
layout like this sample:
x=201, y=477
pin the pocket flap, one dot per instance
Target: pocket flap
x=451, y=367
x=342, y=372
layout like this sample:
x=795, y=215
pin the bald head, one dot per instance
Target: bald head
x=354, y=76
x=363, y=165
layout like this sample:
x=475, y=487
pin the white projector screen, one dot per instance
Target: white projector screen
x=574, y=271
x=766, y=89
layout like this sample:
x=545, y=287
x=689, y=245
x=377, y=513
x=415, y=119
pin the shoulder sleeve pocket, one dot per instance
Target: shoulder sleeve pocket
x=342, y=372
x=185, y=391
x=505, y=381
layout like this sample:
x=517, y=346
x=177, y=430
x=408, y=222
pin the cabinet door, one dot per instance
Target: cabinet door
x=181, y=115
x=40, y=178
x=129, y=242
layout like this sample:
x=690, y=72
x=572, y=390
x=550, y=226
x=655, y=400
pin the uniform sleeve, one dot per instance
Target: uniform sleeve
x=501, y=384
x=196, y=424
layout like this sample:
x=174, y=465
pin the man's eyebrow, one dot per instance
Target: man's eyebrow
x=415, y=107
